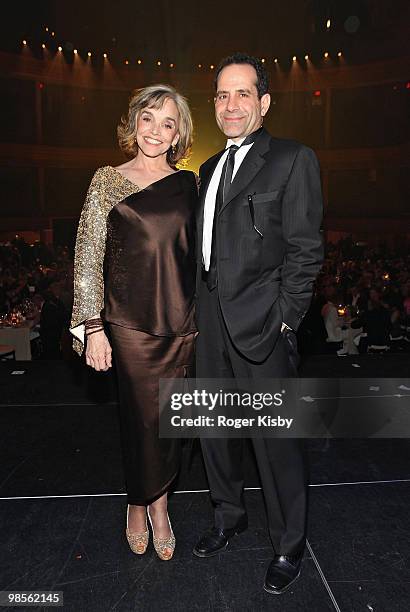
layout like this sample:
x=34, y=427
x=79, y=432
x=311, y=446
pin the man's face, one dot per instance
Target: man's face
x=238, y=110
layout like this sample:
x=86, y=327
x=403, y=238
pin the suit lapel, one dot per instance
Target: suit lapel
x=250, y=166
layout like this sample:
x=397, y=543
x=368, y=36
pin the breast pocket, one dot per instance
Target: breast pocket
x=269, y=196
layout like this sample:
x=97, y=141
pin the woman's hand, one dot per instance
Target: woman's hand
x=98, y=352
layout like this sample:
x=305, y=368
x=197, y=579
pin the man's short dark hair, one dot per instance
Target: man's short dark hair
x=262, y=81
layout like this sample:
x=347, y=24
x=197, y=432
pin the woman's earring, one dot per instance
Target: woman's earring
x=174, y=148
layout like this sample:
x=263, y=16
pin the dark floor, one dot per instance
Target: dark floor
x=62, y=507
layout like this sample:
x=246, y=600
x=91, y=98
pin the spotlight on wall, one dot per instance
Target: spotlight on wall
x=104, y=55
x=326, y=55
x=24, y=42
x=306, y=57
x=60, y=48
x=276, y=60
x=89, y=54
x=139, y=62
x=75, y=51
x=294, y=58
x=43, y=46
x=339, y=54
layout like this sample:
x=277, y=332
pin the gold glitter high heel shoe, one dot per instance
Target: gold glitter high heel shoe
x=138, y=541
x=162, y=544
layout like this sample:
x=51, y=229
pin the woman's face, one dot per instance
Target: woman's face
x=157, y=129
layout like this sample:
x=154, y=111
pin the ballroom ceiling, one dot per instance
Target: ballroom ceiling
x=192, y=32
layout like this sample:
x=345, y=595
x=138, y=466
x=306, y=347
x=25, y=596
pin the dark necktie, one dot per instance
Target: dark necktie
x=221, y=195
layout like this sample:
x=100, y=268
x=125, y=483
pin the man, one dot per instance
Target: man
x=259, y=252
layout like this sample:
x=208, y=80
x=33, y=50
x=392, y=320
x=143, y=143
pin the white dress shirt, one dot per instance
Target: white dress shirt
x=210, y=198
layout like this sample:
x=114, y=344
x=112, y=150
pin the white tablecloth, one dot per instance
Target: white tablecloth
x=19, y=338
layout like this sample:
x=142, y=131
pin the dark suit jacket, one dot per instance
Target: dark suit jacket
x=263, y=281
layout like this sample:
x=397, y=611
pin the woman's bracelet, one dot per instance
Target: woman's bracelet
x=91, y=323
x=94, y=331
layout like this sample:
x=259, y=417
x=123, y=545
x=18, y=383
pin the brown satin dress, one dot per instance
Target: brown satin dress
x=149, y=285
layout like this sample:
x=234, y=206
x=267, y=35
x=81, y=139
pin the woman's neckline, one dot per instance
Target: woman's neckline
x=147, y=186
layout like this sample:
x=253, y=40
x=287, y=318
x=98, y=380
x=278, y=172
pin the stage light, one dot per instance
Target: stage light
x=158, y=63
x=326, y=55
x=339, y=54
x=212, y=66
x=139, y=61
x=43, y=46
x=317, y=93
x=199, y=65
x=306, y=57
x=89, y=54
x=75, y=51
x=46, y=28
x=60, y=48
x=171, y=65
x=53, y=33
x=105, y=55
x=263, y=60
x=276, y=60
x=328, y=24
x=294, y=58
x=24, y=42
x=126, y=62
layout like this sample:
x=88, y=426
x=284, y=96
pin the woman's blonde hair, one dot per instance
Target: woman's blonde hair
x=154, y=96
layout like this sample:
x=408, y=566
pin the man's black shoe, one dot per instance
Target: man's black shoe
x=216, y=540
x=282, y=572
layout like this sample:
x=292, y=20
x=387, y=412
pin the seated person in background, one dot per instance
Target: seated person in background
x=19, y=290
x=333, y=323
x=338, y=327
x=54, y=319
x=377, y=322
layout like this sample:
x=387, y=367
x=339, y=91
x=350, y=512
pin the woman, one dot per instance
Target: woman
x=134, y=274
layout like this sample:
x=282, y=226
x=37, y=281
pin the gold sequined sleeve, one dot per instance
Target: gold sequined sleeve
x=89, y=258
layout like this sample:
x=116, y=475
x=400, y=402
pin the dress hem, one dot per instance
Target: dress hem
x=152, y=498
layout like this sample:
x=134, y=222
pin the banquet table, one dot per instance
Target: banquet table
x=19, y=337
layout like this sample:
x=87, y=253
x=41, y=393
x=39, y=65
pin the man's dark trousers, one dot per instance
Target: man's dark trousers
x=281, y=462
